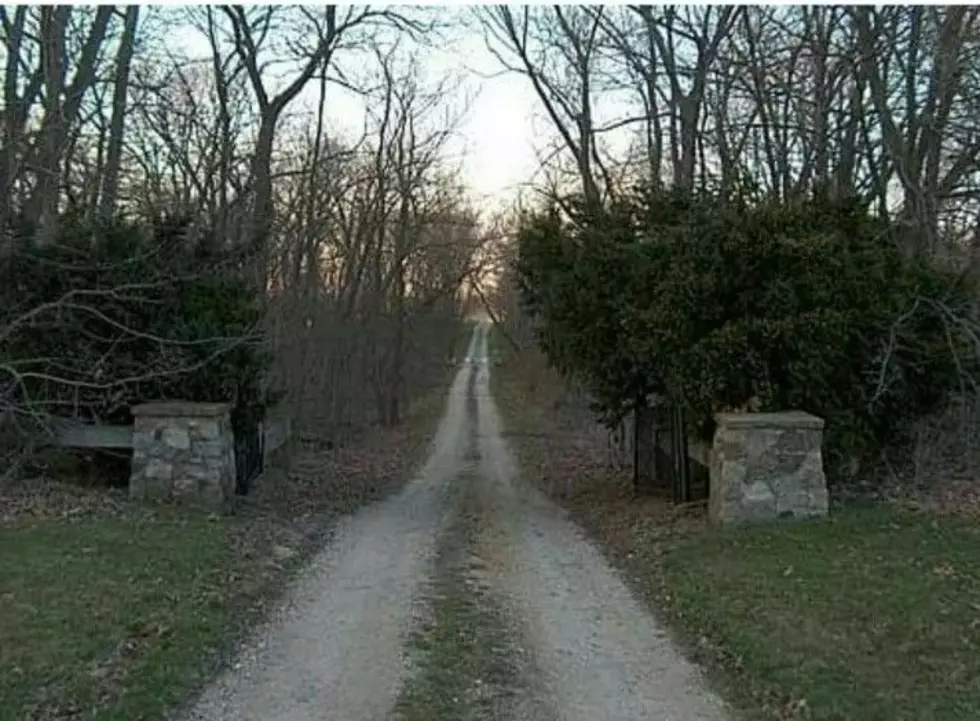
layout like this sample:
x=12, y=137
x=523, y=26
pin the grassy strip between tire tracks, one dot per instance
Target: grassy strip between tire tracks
x=872, y=614
x=110, y=611
x=461, y=652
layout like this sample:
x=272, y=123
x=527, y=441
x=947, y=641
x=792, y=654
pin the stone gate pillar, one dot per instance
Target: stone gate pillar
x=183, y=452
x=766, y=466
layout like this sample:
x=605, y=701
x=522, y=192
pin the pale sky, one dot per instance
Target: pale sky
x=496, y=139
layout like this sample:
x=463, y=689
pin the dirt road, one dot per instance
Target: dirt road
x=573, y=644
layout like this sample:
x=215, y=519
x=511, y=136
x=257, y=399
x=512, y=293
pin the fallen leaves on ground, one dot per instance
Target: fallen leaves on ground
x=44, y=499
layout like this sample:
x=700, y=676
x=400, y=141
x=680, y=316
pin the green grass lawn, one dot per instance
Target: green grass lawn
x=869, y=615
x=90, y=608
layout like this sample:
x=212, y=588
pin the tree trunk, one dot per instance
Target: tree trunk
x=396, y=369
x=12, y=112
x=60, y=115
x=644, y=448
x=43, y=205
x=110, y=182
x=262, y=205
x=221, y=221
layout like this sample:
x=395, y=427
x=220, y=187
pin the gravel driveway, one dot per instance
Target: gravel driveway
x=599, y=654
x=337, y=650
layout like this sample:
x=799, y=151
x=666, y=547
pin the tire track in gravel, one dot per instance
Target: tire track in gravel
x=334, y=651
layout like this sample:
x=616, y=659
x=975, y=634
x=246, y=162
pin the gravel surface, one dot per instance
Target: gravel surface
x=585, y=649
x=597, y=652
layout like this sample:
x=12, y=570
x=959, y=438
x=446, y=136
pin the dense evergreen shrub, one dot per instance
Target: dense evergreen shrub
x=807, y=305
x=114, y=314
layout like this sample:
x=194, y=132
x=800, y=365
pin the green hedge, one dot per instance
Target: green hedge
x=722, y=304
x=114, y=314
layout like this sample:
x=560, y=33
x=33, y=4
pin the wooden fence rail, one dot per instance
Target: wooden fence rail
x=275, y=433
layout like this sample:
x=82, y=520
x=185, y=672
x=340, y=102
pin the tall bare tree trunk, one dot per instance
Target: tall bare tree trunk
x=110, y=180
x=43, y=206
x=221, y=221
x=60, y=114
x=14, y=112
x=260, y=225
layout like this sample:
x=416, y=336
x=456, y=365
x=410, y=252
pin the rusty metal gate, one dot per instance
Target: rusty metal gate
x=249, y=454
x=682, y=477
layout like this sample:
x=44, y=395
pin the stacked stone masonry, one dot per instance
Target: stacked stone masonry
x=183, y=452
x=766, y=466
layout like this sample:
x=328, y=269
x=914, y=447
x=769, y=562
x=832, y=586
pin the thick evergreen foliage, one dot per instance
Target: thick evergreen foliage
x=114, y=314
x=808, y=305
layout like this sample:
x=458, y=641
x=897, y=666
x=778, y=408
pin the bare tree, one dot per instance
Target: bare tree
x=124, y=59
x=17, y=102
x=62, y=102
x=251, y=28
x=556, y=49
x=921, y=77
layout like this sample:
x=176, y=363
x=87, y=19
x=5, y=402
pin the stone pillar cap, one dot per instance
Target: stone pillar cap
x=180, y=409
x=786, y=419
